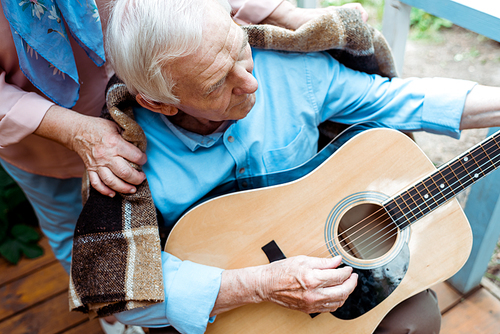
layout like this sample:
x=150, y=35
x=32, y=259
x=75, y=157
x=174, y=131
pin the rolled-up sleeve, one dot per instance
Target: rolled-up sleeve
x=190, y=293
x=252, y=11
x=20, y=112
x=443, y=99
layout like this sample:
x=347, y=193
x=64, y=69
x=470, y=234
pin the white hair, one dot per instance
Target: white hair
x=143, y=35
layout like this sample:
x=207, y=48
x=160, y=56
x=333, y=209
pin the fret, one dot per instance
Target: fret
x=434, y=191
x=451, y=179
x=420, y=201
x=494, y=139
x=411, y=196
x=480, y=160
x=487, y=157
x=491, y=148
x=463, y=173
x=473, y=169
x=444, y=184
x=406, y=205
x=396, y=214
x=455, y=179
x=427, y=196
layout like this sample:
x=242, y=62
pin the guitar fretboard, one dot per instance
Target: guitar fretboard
x=445, y=183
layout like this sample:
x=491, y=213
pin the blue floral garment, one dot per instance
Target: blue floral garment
x=43, y=47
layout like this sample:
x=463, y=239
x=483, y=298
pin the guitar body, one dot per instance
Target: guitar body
x=306, y=217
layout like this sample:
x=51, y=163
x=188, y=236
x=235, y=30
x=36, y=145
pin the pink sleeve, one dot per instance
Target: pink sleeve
x=252, y=11
x=20, y=112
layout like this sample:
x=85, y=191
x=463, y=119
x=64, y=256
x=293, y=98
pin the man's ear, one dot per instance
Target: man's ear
x=161, y=108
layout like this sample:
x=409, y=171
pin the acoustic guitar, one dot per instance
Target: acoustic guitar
x=377, y=200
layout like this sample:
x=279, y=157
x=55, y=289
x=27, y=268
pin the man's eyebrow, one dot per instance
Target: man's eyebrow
x=245, y=40
x=221, y=81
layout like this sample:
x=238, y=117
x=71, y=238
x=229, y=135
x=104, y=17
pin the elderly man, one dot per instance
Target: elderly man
x=214, y=110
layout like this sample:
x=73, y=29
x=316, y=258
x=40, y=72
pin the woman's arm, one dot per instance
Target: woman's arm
x=280, y=12
x=288, y=16
x=99, y=143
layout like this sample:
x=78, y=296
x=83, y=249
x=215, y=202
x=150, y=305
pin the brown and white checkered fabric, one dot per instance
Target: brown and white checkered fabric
x=116, y=263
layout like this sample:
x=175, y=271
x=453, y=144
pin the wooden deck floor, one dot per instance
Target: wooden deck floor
x=34, y=299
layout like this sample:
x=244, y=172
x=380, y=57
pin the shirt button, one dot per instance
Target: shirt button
x=244, y=184
x=230, y=139
x=242, y=170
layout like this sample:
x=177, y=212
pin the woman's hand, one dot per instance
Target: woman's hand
x=300, y=283
x=359, y=7
x=99, y=143
x=106, y=154
x=288, y=16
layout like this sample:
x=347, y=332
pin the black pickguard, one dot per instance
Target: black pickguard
x=374, y=285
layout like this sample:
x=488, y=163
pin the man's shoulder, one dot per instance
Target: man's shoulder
x=263, y=58
x=293, y=67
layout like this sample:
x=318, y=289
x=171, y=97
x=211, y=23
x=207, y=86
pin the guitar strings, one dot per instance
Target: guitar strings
x=485, y=171
x=372, y=237
x=417, y=207
x=477, y=168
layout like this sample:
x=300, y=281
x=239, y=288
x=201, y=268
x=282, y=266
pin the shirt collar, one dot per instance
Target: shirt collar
x=193, y=140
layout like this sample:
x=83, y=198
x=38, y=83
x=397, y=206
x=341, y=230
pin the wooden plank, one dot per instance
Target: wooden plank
x=447, y=296
x=491, y=287
x=87, y=327
x=10, y=272
x=478, y=314
x=27, y=291
x=51, y=316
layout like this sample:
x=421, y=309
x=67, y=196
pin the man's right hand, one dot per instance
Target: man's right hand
x=308, y=284
x=301, y=283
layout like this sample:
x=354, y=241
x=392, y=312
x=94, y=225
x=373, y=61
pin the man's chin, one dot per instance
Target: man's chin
x=249, y=103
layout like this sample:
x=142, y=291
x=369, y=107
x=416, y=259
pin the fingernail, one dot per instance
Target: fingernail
x=111, y=195
x=133, y=190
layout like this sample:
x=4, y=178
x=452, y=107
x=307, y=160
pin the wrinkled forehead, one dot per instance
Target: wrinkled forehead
x=221, y=45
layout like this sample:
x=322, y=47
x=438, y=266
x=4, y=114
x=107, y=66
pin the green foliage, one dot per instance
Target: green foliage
x=375, y=8
x=425, y=25
x=17, y=234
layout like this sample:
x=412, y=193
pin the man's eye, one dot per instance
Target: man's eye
x=216, y=87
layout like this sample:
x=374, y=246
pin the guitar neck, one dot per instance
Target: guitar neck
x=445, y=183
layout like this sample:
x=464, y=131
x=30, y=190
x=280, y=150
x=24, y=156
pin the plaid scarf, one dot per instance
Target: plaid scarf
x=116, y=263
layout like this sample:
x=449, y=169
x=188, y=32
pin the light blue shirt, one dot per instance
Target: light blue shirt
x=296, y=93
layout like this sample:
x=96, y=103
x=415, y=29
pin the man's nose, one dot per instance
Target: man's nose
x=246, y=85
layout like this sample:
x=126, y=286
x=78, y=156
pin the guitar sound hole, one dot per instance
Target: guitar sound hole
x=366, y=231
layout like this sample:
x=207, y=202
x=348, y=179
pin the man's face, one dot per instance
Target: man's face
x=216, y=82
